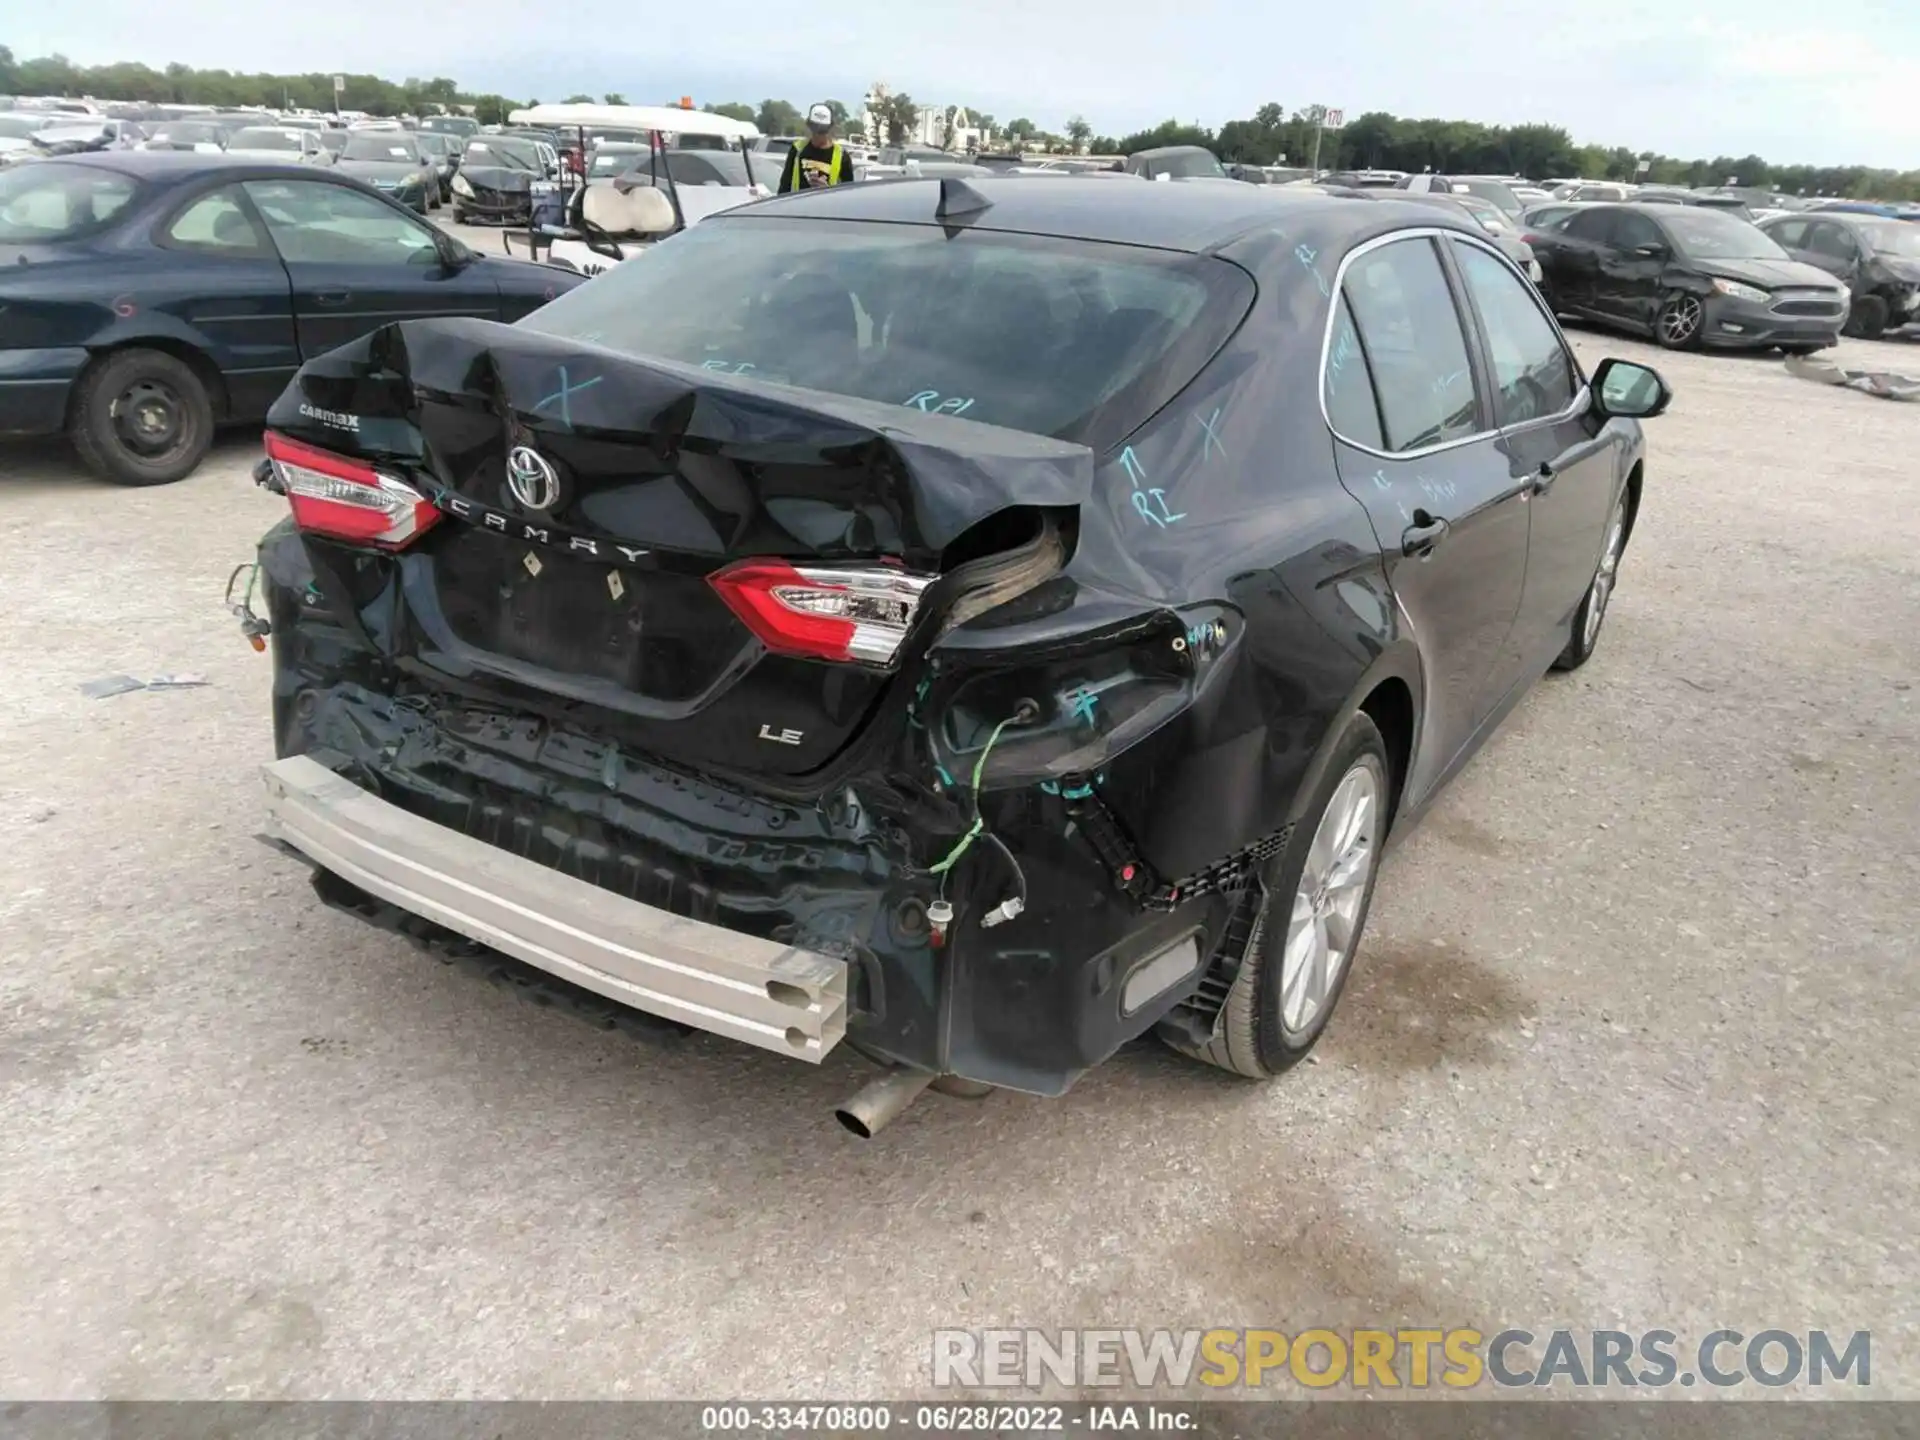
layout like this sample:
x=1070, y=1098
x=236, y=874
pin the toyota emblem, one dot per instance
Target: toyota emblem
x=532, y=478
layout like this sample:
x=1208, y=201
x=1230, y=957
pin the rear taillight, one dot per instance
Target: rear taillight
x=347, y=499
x=824, y=612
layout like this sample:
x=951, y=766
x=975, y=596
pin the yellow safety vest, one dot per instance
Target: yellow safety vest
x=836, y=167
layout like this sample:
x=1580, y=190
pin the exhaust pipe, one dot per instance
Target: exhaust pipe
x=881, y=1101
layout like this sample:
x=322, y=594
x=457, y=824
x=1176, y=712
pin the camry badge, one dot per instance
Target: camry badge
x=532, y=478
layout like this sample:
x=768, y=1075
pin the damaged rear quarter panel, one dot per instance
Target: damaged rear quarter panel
x=1222, y=508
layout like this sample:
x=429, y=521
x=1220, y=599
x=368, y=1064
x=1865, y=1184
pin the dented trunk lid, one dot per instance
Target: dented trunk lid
x=587, y=583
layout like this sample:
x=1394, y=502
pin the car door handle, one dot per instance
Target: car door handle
x=1544, y=477
x=1423, y=534
x=332, y=299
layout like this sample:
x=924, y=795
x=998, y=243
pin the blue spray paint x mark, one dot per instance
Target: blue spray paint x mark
x=1212, y=442
x=1380, y=481
x=565, y=395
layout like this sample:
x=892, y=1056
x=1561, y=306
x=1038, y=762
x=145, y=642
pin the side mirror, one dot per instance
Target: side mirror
x=1628, y=390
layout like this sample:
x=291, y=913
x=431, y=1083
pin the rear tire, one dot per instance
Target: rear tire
x=1319, y=889
x=141, y=417
x=1868, y=321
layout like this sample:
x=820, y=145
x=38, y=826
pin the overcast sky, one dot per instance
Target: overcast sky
x=1792, y=81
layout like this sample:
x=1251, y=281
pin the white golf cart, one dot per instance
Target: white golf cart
x=695, y=165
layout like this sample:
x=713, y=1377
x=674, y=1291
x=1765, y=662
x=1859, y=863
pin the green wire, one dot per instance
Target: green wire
x=966, y=840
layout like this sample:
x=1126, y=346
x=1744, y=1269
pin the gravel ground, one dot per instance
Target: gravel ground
x=1629, y=1043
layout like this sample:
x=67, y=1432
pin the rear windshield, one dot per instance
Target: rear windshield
x=258, y=139
x=49, y=201
x=1039, y=334
x=393, y=146
x=190, y=132
x=1186, y=164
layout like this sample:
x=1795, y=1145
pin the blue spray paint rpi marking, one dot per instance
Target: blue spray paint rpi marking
x=565, y=395
x=952, y=405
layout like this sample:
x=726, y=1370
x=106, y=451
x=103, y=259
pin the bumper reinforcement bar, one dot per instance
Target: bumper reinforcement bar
x=706, y=976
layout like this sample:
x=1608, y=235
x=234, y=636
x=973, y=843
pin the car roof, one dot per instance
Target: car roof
x=152, y=164
x=174, y=167
x=1174, y=216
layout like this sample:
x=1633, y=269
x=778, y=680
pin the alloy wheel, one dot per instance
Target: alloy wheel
x=1680, y=321
x=1604, y=577
x=1331, y=897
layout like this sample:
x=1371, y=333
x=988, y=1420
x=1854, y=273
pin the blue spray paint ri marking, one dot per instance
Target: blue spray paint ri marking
x=565, y=395
x=1149, y=503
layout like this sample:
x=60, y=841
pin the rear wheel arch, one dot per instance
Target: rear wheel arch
x=188, y=354
x=1388, y=693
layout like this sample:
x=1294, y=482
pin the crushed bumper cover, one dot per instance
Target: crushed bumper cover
x=778, y=997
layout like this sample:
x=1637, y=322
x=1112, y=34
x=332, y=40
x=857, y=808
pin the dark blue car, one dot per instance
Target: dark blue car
x=148, y=297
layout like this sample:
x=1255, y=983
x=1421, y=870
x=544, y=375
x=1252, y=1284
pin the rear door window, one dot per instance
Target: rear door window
x=1406, y=319
x=1593, y=226
x=1789, y=234
x=217, y=224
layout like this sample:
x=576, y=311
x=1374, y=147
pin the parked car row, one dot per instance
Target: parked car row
x=153, y=296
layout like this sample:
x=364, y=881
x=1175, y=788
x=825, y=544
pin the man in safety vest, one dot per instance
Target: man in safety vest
x=821, y=161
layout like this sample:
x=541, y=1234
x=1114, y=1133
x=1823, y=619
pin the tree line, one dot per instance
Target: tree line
x=1381, y=141
x=1271, y=135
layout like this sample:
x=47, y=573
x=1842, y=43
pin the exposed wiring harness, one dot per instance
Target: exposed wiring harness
x=1017, y=902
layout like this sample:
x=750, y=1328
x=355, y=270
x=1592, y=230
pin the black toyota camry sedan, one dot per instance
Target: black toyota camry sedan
x=1687, y=276
x=974, y=622
x=147, y=297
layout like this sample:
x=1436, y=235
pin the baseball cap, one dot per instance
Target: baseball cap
x=820, y=117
